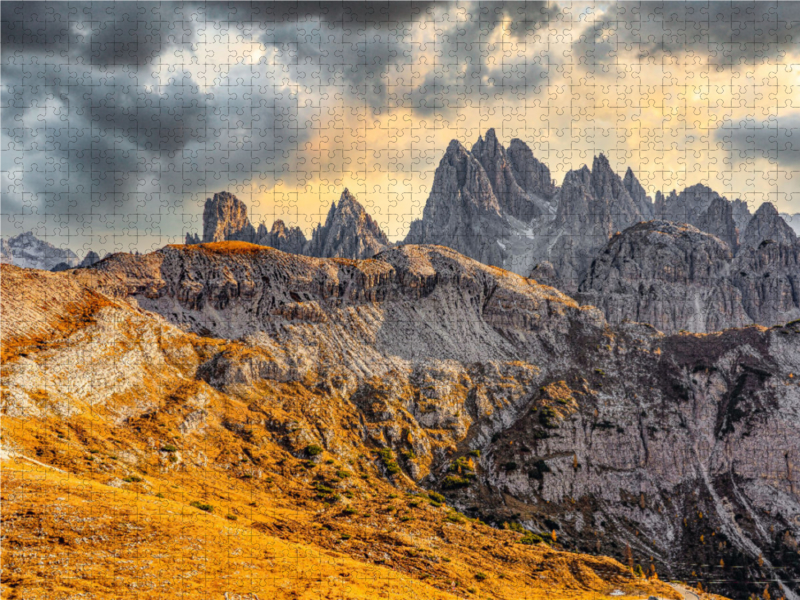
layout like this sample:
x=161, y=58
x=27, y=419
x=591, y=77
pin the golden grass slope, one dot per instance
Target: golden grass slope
x=160, y=486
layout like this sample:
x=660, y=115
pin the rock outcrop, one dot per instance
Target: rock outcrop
x=349, y=232
x=225, y=219
x=521, y=203
x=672, y=276
x=91, y=258
x=676, y=277
x=639, y=195
x=767, y=224
x=27, y=251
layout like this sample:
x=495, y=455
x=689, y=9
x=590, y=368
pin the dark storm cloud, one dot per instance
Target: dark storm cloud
x=775, y=139
x=723, y=32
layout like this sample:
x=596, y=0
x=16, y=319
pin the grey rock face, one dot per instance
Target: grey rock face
x=768, y=278
x=349, y=232
x=718, y=220
x=592, y=206
x=27, y=251
x=532, y=175
x=280, y=237
x=671, y=276
x=192, y=238
x=676, y=277
x=741, y=214
x=767, y=224
x=225, y=219
x=704, y=208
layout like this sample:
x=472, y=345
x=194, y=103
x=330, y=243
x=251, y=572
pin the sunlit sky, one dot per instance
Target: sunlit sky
x=119, y=119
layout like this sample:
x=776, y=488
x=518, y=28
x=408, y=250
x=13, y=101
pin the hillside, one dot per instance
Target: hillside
x=140, y=459
x=331, y=388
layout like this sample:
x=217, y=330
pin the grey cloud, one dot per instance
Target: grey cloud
x=775, y=139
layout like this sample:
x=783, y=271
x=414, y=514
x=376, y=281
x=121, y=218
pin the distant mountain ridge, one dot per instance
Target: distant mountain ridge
x=349, y=231
x=27, y=251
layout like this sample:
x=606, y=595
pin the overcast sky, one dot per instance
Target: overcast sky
x=119, y=119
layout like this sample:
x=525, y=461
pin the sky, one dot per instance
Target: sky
x=120, y=119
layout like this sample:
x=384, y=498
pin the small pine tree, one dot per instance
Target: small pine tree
x=629, y=556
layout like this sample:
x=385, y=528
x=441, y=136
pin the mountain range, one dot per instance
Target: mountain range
x=703, y=263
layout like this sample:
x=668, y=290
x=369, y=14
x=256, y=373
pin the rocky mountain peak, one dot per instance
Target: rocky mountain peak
x=638, y=193
x=767, y=224
x=225, y=219
x=91, y=258
x=532, y=175
x=28, y=251
x=349, y=232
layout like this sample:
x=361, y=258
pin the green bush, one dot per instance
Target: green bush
x=387, y=458
x=514, y=526
x=202, y=506
x=314, y=450
x=231, y=517
x=475, y=453
x=132, y=479
x=480, y=576
x=452, y=482
x=531, y=539
x=169, y=448
x=436, y=497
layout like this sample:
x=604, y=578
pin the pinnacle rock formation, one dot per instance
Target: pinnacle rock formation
x=767, y=224
x=225, y=219
x=349, y=232
x=462, y=211
x=532, y=175
x=592, y=206
x=280, y=237
x=704, y=208
x=792, y=220
x=91, y=258
x=503, y=173
x=639, y=195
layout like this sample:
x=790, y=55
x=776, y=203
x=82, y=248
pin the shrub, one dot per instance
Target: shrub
x=349, y=511
x=531, y=539
x=342, y=474
x=453, y=482
x=313, y=450
x=169, y=448
x=476, y=453
x=480, y=576
x=231, y=517
x=510, y=466
x=514, y=526
x=132, y=479
x=202, y=506
x=387, y=458
x=436, y=497
x=547, y=417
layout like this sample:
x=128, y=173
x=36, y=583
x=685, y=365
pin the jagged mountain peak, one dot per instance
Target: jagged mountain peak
x=767, y=224
x=349, y=232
